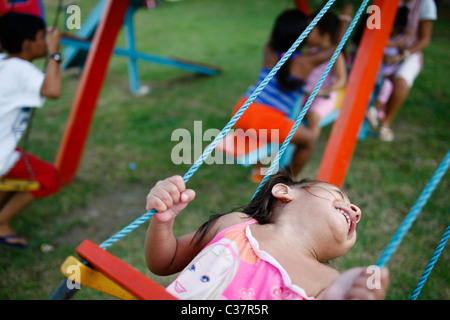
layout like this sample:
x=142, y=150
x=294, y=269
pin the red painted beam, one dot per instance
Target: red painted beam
x=91, y=82
x=303, y=6
x=341, y=144
x=131, y=279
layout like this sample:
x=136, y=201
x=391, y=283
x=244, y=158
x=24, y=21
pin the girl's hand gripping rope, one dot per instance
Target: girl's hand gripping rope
x=169, y=197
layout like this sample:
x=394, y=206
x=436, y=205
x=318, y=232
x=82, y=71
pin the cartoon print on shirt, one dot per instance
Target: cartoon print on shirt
x=209, y=273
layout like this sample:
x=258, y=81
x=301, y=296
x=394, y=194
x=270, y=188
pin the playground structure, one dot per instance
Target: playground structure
x=125, y=282
x=77, y=47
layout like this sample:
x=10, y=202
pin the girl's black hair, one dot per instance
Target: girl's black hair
x=329, y=23
x=261, y=206
x=401, y=20
x=16, y=27
x=288, y=27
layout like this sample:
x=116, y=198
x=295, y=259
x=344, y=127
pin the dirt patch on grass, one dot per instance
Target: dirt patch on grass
x=104, y=216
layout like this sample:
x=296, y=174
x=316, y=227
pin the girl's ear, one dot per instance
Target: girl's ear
x=282, y=192
x=26, y=45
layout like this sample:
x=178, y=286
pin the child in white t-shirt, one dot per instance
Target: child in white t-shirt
x=22, y=87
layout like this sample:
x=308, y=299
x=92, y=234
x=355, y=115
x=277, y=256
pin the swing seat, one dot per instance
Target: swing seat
x=246, y=149
x=136, y=284
x=81, y=273
x=18, y=185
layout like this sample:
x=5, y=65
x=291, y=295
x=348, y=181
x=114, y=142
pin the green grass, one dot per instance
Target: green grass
x=384, y=179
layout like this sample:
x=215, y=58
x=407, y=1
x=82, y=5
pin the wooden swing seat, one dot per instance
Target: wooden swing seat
x=113, y=276
x=18, y=185
x=243, y=148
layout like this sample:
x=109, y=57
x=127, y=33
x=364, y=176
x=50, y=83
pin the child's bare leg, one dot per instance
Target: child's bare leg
x=17, y=203
x=4, y=197
x=304, y=142
x=313, y=120
x=396, y=101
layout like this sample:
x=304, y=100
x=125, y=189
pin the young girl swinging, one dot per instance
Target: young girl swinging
x=276, y=247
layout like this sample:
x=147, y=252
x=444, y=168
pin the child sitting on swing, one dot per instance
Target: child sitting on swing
x=273, y=109
x=276, y=247
x=22, y=87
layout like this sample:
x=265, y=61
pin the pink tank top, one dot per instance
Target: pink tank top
x=232, y=267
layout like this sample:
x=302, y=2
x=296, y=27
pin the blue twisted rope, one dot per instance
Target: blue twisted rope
x=431, y=264
x=208, y=150
x=414, y=212
x=275, y=163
